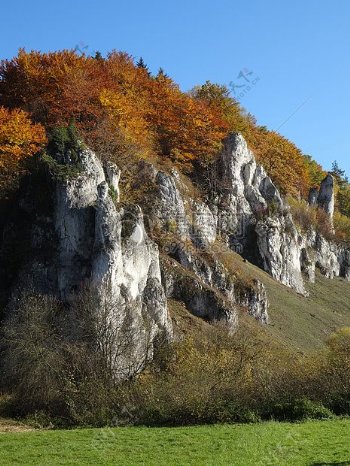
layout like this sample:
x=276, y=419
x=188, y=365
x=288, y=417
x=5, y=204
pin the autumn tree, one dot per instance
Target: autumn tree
x=19, y=140
x=315, y=171
x=186, y=129
x=119, y=107
x=218, y=98
x=284, y=162
x=282, y=159
x=53, y=87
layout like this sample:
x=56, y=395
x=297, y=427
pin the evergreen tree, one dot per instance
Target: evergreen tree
x=141, y=64
x=162, y=74
x=339, y=174
x=98, y=56
x=343, y=194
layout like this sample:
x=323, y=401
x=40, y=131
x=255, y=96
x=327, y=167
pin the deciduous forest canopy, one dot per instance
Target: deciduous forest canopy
x=117, y=105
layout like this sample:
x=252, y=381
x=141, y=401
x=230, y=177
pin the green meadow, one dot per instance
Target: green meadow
x=271, y=443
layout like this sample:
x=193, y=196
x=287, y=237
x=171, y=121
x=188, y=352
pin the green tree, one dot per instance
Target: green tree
x=339, y=174
x=343, y=192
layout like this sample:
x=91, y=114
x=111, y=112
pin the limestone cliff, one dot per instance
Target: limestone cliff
x=242, y=209
x=174, y=243
x=101, y=246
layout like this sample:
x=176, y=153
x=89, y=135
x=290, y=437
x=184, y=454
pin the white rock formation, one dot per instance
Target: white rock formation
x=325, y=198
x=249, y=195
x=245, y=210
x=280, y=249
x=229, y=217
x=107, y=246
x=94, y=241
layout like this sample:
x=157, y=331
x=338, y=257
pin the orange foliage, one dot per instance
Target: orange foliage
x=115, y=100
x=185, y=129
x=150, y=112
x=19, y=139
x=284, y=162
x=52, y=87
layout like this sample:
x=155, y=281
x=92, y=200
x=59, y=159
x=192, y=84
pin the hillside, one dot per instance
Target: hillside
x=300, y=323
x=303, y=323
x=151, y=239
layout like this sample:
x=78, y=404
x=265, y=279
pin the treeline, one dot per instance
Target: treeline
x=120, y=108
x=203, y=377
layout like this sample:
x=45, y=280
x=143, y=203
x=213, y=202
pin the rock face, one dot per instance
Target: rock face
x=256, y=217
x=325, y=198
x=105, y=249
x=178, y=243
x=243, y=193
x=244, y=210
x=279, y=246
x=197, y=225
x=331, y=259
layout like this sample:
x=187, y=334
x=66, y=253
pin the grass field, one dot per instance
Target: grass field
x=309, y=443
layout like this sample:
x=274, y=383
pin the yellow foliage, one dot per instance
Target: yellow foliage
x=127, y=117
x=19, y=137
x=19, y=140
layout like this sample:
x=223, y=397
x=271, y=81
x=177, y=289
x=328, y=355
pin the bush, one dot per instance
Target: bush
x=62, y=155
x=207, y=378
x=300, y=410
x=342, y=227
x=47, y=370
x=64, y=144
x=309, y=217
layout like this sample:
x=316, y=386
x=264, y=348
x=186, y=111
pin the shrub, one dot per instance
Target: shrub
x=301, y=409
x=33, y=366
x=62, y=155
x=309, y=217
x=304, y=215
x=64, y=145
x=342, y=227
x=207, y=378
x=49, y=371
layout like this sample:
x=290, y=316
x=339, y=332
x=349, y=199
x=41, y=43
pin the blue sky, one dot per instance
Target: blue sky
x=296, y=50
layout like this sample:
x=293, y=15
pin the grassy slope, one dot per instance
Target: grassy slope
x=310, y=443
x=301, y=323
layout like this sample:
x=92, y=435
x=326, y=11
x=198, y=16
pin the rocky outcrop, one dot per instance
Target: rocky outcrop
x=280, y=248
x=244, y=209
x=88, y=240
x=199, y=223
x=331, y=259
x=244, y=192
x=213, y=273
x=103, y=247
x=255, y=217
x=325, y=199
x=200, y=299
x=169, y=207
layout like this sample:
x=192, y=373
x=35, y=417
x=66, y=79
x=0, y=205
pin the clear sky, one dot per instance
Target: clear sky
x=297, y=53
